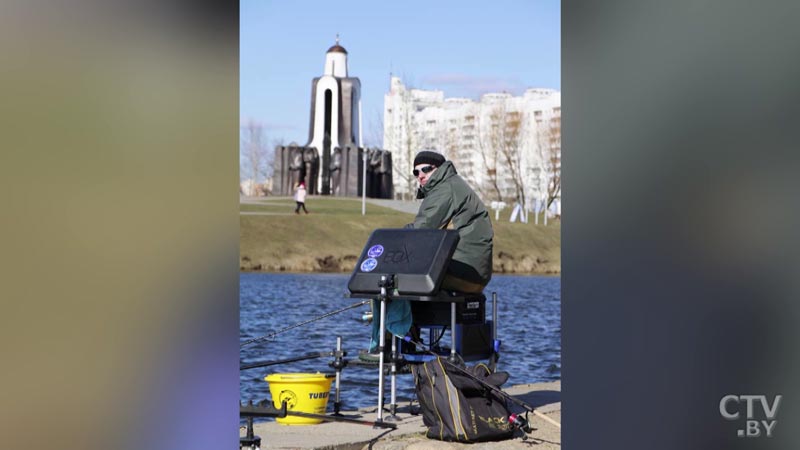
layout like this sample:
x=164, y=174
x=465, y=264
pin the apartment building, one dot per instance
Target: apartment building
x=507, y=147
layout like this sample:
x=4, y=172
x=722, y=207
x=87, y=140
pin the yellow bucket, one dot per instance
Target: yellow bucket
x=304, y=392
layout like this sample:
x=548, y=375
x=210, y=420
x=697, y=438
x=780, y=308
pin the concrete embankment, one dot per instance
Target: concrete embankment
x=410, y=433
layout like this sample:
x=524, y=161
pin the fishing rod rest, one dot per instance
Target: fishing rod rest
x=250, y=441
x=338, y=364
x=263, y=409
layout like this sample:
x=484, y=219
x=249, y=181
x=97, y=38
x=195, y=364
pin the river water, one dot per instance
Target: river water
x=529, y=313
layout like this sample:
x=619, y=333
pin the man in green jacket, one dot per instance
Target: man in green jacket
x=448, y=201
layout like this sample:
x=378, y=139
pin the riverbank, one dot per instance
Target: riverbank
x=410, y=433
x=330, y=238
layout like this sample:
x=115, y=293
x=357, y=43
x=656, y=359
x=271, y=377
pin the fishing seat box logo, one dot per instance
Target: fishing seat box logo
x=369, y=264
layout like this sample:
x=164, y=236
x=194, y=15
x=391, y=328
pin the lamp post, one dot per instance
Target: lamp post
x=364, y=171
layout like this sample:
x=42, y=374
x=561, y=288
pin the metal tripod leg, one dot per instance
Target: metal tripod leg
x=338, y=364
x=393, y=405
x=495, y=342
x=381, y=345
x=453, y=332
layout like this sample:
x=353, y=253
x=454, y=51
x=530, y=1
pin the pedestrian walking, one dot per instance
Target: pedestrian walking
x=300, y=198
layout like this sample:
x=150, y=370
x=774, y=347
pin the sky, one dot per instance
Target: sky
x=464, y=48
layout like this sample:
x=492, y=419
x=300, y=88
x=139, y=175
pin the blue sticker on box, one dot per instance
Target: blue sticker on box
x=369, y=265
x=375, y=251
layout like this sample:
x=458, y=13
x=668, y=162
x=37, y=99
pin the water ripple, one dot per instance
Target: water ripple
x=529, y=310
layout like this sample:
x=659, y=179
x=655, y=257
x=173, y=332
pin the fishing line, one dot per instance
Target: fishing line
x=310, y=355
x=275, y=333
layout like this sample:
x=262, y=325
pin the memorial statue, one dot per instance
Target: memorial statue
x=295, y=168
x=336, y=171
x=311, y=162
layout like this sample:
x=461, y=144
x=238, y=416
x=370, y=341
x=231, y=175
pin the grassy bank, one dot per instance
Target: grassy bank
x=330, y=239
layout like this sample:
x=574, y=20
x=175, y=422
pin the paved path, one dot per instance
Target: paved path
x=262, y=213
x=261, y=200
x=410, y=206
x=410, y=433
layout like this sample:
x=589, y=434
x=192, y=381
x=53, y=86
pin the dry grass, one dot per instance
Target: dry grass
x=332, y=236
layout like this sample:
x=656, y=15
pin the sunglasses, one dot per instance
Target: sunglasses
x=426, y=169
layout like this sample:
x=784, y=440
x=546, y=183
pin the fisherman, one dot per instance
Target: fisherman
x=447, y=202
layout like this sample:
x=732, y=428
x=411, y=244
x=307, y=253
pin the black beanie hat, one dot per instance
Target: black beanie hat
x=428, y=157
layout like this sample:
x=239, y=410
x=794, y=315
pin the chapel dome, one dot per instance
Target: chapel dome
x=337, y=49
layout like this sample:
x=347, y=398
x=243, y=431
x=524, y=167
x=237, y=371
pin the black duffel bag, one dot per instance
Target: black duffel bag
x=456, y=407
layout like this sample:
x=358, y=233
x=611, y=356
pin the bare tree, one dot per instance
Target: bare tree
x=509, y=140
x=549, y=151
x=255, y=160
x=502, y=146
x=373, y=136
x=269, y=176
x=538, y=167
x=554, y=160
x=490, y=153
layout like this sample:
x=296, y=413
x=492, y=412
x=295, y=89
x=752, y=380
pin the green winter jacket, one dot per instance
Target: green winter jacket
x=448, y=200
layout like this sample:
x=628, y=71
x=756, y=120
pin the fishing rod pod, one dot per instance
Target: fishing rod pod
x=266, y=409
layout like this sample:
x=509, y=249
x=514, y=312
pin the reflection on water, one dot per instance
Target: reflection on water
x=529, y=311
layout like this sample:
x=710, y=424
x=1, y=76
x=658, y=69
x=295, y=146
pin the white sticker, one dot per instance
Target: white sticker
x=375, y=251
x=369, y=265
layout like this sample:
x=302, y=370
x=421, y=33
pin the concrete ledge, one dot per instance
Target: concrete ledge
x=410, y=433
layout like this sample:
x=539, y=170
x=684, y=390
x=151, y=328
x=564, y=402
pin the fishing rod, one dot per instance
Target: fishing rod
x=267, y=410
x=310, y=355
x=486, y=385
x=275, y=333
x=343, y=419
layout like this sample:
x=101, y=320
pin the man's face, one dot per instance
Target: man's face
x=420, y=171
